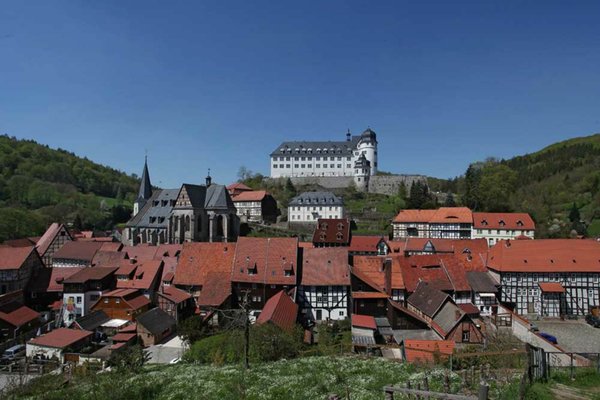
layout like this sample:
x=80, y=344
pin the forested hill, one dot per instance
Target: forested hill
x=39, y=185
x=558, y=185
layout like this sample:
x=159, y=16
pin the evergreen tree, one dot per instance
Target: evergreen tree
x=449, y=202
x=574, y=215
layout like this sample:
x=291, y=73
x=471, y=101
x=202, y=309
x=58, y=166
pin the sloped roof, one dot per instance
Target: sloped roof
x=14, y=257
x=199, y=259
x=407, y=216
x=481, y=282
x=238, y=186
x=145, y=276
x=158, y=207
x=279, y=310
x=90, y=274
x=141, y=252
x=17, y=314
x=111, y=246
x=512, y=221
x=133, y=297
x=48, y=237
x=545, y=255
x=423, y=351
x=325, y=266
x=364, y=321
x=427, y=299
x=216, y=288
x=316, y=199
x=448, y=317
x=174, y=295
x=462, y=215
x=145, y=186
x=332, y=230
x=551, y=287
x=254, y=195
x=78, y=250
x=428, y=268
x=57, y=276
x=344, y=147
x=167, y=250
x=218, y=198
x=92, y=320
x=156, y=321
x=61, y=338
x=267, y=258
x=105, y=258
x=365, y=243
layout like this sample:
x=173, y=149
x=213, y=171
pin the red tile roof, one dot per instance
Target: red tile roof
x=199, y=259
x=254, y=195
x=408, y=216
x=17, y=315
x=133, y=297
x=104, y=258
x=111, y=246
x=77, y=250
x=174, y=295
x=473, y=252
x=238, y=186
x=369, y=295
x=61, y=338
x=14, y=257
x=48, y=237
x=58, y=276
x=325, y=266
x=469, y=308
x=90, y=274
x=332, y=230
x=216, y=288
x=551, y=287
x=516, y=221
x=268, y=258
x=129, y=328
x=123, y=337
x=167, y=250
x=279, y=310
x=141, y=252
x=362, y=244
x=442, y=271
x=424, y=350
x=145, y=277
x=370, y=269
x=364, y=321
x=545, y=255
x=446, y=215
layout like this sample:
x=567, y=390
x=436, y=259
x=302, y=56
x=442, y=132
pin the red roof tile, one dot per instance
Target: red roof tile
x=123, y=337
x=48, y=237
x=133, y=297
x=141, y=252
x=238, y=186
x=325, y=266
x=77, y=250
x=254, y=195
x=360, y=244
x=61, y=338
x=14, y=257
x=267, y=258
x=442, y=271
x=199, y=259
x=364, y=321
x=545, y=255
x=408, y=216
x=145, y=277
x=104, y=258
x=332, y=230
x=512, y=221
x=58, y=276
x=279, y=310
x=551, y=287
x=174, y=295
x=17, y=315
x=424, y=350
x=216, y=288
x=469, y=308
x=90, y=274
x=442, y=215
x=111, y=246
x=167, y=250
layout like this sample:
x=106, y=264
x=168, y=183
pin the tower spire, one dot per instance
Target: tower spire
x=145, y=186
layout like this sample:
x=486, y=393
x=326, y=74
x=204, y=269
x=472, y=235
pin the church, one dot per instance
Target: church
x=192, y=213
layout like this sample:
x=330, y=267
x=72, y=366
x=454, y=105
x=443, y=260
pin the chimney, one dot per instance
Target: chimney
x=348, y=136
x=387, y=270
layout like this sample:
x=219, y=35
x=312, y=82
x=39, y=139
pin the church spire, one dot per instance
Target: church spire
x=145, y=187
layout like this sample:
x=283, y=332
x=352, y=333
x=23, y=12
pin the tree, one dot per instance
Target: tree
x=472, y=179
x=130, y=359
x=574, y=215
x=449, y=202
x=289, y=187
x=496, y=185
x=192, y=329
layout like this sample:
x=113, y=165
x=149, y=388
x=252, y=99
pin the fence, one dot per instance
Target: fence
x=423, y=392
x=542, y=363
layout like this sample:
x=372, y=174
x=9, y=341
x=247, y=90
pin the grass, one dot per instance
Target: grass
x=300, y=379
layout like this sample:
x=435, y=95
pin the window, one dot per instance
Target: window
x=274, y=166
x=341, y=313
x=339, y=165
x=318, y=165
x=295, y=165
x=287, y=165
x=78, y=300
x=117, y=301
x=302, y=165
x=466, y=336
x=105, y=301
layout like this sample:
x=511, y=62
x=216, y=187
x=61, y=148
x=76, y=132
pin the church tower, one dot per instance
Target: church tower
x=367, y=145
x=145, y=190
x=362, y=172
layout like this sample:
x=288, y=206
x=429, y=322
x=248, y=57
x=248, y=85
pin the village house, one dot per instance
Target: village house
x=124, y=304
x=332, y=232
x=262, y=267
x=444, y=223
x=45, y=290
x=502, y=226
x=484, y=292
x=255, y=206
x=368, y=246
x=17, y=266
x=92, y=322
x=83, y=289
x=176, y=302
x=236, y=188
x=17, y=319
x=324, y=291
x=280, y=310
x=153, y=326
x=54, y=344
x=143, y=276
x=364, y=331
x=53, y=239
x=310, y=206
x=75, y=254
x=547, y=277
x=369, y=291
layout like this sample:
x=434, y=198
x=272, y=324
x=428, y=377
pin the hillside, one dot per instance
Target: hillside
x=39, y=185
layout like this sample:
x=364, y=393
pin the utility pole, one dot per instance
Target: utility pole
x=246, y=310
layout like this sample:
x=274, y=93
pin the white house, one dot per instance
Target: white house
x=499, y=226
x=54, y=343
x=310, y=206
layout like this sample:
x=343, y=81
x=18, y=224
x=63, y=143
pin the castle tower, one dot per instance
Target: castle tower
x=145, y=190
x=362, y=172
x=367, y=145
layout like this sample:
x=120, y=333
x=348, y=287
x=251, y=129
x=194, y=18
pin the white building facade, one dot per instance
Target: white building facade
x=502, y=226
x=310, y=206
x=306, y=159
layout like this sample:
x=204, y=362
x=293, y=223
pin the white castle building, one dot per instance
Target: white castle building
x=313, y=159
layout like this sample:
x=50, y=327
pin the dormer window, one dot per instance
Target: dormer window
x=322, y=236
x=520, y=223
x=155, y=203
x=502, y=223
x=339, y=236
x=323, y=225
x=288, y=270
x=484, y=222
x=340, y=226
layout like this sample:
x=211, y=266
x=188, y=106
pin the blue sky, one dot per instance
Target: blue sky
x=219, y=84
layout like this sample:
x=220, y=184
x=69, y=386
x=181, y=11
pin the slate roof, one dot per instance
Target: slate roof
x=160, y=212
x=481, y=282
x=311, y=199
x=279, y=310
x=156, y=321
x=448, y=316
x=93, y=320
x=427, y=299
x=214, y=197
x=77, y=250
x=60, y=338
x=145, y=187
x=332, y=230
x=341, y=148
x=325, y=266
x=14, y=257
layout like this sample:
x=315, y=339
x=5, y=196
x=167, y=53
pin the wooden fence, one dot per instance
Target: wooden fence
x=421, y=391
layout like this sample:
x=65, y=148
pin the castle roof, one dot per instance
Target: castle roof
x=316, y=199
x=341, y=148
